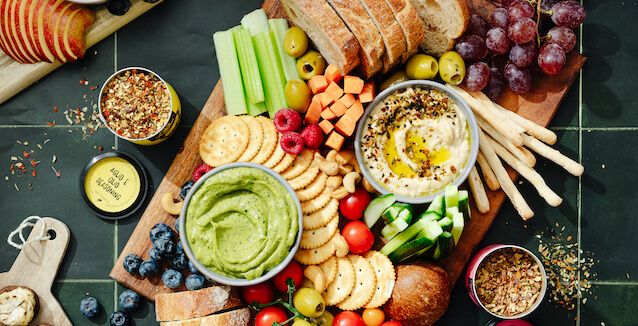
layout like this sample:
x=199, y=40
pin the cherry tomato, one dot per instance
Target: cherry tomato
x=359, y=238
x=269, y=315
x=293, y=270
x=348, y=318
x=263, y=293
x=391, y=323
x=353, y=205
x=373, y=316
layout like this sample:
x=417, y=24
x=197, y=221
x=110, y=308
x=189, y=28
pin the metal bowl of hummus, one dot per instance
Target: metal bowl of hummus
x=415, y=138
x=241, y=224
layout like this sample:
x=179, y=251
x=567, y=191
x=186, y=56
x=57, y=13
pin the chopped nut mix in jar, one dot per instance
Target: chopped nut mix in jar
x=136, y=104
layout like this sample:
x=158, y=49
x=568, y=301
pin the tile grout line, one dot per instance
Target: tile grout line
x=116, y=224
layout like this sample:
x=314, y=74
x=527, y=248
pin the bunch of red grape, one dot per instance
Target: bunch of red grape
x=513, y=29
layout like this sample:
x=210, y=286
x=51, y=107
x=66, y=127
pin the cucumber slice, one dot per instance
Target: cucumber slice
x=429, y=216
x=404, y=237
x=464, y=203
x=410, y=248
x=451, y=211
x=390, y=214
x=446, y=224
x=398, y=210
x=406, y=215
x=451, y=196
x=457, y=226
x=437, y=205
x=391, y=230
x=444, y=246
x=376, y=207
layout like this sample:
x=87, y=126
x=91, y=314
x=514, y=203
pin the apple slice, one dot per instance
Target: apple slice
x=21, y=15
x=58, y=28
x=3, y=41
x=15, y=30
x=38, y=27
x=61, y=25
x=51, y=19
x=6, y=34
x=75, y=31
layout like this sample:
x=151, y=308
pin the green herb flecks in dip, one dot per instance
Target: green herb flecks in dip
x=241, y=223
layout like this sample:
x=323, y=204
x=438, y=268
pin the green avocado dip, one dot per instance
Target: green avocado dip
x=241, y=223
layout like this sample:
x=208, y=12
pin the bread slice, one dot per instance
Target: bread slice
x=355, y=16
x=410, y=23
x=390, y=29
x=444, y=21
x=192, y=304
x=326, y=30
x=239, y=317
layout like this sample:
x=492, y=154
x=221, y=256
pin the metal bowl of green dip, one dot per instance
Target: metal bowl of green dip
x=241, y=224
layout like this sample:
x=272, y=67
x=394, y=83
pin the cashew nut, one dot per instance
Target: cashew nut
x=315, y=275
x=170, y=206
x=367, y=186
x=341, y=246
x=350, y=180
x=340, y=193
x=345, y=169
x=328, y=167
x=332, y=155
x=348, y=157
x=333, y=182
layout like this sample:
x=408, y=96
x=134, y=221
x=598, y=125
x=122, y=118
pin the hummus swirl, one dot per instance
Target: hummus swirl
x=415, y=142
x=241, y=223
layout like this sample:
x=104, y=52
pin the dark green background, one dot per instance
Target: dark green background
x=596, y=125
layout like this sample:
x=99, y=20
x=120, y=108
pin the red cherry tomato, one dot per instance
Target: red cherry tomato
x=353, y=205
x=391, y=323
x=348, y=318
x=263, y=293
x=293, y=270
x=269, y=315
x=359, y=238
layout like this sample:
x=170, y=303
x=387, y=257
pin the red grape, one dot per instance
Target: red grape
x=498, y=18
x=477, y=76
x=518, y=79
x=522, y=30
x=520, y=9
x=562, y=36
x=551, y=58
x=471, y=47
x=495, y=85
x=477, y=25
x=497, y=41
x=523, y=55
x=568, y=13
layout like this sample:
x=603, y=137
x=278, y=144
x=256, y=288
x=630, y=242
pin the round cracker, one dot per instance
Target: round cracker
x=322, y=216
x=305, y=178
x=315, y=256
x=318, y=237
x=343, y=283
x=256, y=138
x=329, y=269
x=284, y=163
x=299, y=165
x=317, y=203
x=224, y=140
x=271, y=139
x=276, y=156
x=365, y=284
x=386, y=276
x=314, y=188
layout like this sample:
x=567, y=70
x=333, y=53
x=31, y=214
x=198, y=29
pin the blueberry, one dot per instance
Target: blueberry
x=193, y=269
x=161, y=231
x=118, y=7
x=177, y=225
x=132, y=263
x=179, y=261
x=130, y=300
x=194, y=282
x=154, y=254
x=149, y=268
x=183, y=192
x=89, y=306
x=165, y=248
x=172, y=279
x=120, y=318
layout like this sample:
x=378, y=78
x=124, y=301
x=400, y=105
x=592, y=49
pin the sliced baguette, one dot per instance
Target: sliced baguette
x=193, y=304
x=355, y=16
x=391, y=32
x=239, y=317
x=326, y=30
x=410, y=24
x=443, y=21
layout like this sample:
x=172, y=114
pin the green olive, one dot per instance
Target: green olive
x=325, y=319
x=298, y=95
x=451, y=68
x=397, y=77
x=295, y=42
x=309, y=302
x=301, y=322
x=310, y=64
x=421, y=66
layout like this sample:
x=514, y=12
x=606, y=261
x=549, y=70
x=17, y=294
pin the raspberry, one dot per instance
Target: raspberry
x=200, y=170
x=312, y=136
x=287, y=120
x=291, y=142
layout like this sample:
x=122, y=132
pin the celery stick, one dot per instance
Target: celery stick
x=279, y=26
x=255, y=21
x=255, y=109
x=229, y=72
x=248, y=65
x=271, y=73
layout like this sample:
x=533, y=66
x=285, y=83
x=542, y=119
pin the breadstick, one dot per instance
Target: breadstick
x=503, y=178
x=528, y=173
x=478, y=191
x=494, y=118
x=529, y=161
x=542, y=149
x=487, y=103
x=488, y=174
x=531, y=127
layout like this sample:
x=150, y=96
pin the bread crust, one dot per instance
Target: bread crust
x=192, y=304
x=410, y=24
x=443, y=22
x=391, y=32
x=326, y=30
x=239, y=317
x=37, y=299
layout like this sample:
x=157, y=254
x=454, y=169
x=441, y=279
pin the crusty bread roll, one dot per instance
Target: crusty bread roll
x=18, y=305
x=239, y=317
x=410, y=24
x=326, y=30
x=363, y=28
x=192, y=304
x=444, y=21
x=420, y=296
x=391, y=32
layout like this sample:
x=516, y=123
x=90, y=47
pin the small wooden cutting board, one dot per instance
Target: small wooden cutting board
x=36, y=267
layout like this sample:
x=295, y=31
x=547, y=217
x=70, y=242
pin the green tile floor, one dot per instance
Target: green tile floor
x=597, y=124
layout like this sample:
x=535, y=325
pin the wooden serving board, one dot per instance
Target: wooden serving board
x=105, y=24
x=539, y=105
x=36, y=267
